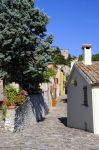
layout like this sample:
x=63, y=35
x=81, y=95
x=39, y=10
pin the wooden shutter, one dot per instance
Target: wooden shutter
x=85, y=96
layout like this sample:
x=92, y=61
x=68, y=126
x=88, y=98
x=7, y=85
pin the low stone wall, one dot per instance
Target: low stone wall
x=32, y=111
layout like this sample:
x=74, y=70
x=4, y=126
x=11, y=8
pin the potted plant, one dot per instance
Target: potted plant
x=13, y=97
x=53, y=101
x=10, y=94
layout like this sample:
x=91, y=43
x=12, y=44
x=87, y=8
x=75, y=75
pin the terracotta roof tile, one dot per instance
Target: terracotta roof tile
x=91, y=71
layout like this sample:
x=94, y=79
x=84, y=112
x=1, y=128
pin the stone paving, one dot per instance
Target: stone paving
x=50, y=134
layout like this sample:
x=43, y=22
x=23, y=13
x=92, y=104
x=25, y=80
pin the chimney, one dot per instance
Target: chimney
x=87, y=54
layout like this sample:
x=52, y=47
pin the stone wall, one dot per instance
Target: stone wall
x=1, y=90
x=46, y=93
x=32, y=111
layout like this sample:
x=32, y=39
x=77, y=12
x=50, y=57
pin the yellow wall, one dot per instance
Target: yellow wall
x=61, y=79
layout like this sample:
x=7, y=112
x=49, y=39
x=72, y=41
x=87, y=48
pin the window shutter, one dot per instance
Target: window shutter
x=85, y=96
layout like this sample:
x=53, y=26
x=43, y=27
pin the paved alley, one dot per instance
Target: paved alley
x=50, y=134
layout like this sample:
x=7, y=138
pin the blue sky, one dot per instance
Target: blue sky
x=73, y=23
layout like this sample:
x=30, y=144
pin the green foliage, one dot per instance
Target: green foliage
x=95, y=57
x=69, y=59
x=80, y=58
x=57, y=57
x=19, y=99
x=25, y=47
x=13, y=96
x=47, y=74
x=10, y=92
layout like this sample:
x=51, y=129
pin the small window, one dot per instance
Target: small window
x=85, y=96
x=75, y=82
x=56, y=80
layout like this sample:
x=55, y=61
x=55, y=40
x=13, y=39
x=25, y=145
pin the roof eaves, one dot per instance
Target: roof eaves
x=95, y=84
x=83, y=75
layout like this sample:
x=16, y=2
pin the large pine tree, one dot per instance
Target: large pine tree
x=25, y=47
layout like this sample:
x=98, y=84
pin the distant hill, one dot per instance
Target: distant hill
x=95, y=57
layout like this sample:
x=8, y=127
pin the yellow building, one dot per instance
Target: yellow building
x=61, y=79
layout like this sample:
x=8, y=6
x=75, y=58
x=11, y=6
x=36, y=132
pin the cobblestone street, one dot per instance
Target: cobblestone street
x=50, y=134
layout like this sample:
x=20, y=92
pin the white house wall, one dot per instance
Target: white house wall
x=95, y=95
x=78, y=115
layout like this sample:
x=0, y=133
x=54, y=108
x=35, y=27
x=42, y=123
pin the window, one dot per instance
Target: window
x=56, y=80
x=85, y=96
x=75, y=82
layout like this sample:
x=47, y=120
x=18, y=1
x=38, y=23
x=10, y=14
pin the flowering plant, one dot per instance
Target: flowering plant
x=14, y=96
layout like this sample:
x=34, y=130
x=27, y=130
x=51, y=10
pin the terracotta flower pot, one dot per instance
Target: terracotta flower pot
x=54, y=102
x=11, y=107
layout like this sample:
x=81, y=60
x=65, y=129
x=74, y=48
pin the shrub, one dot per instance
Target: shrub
x=14, y=96
x=10, y=91
x=20, y=99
